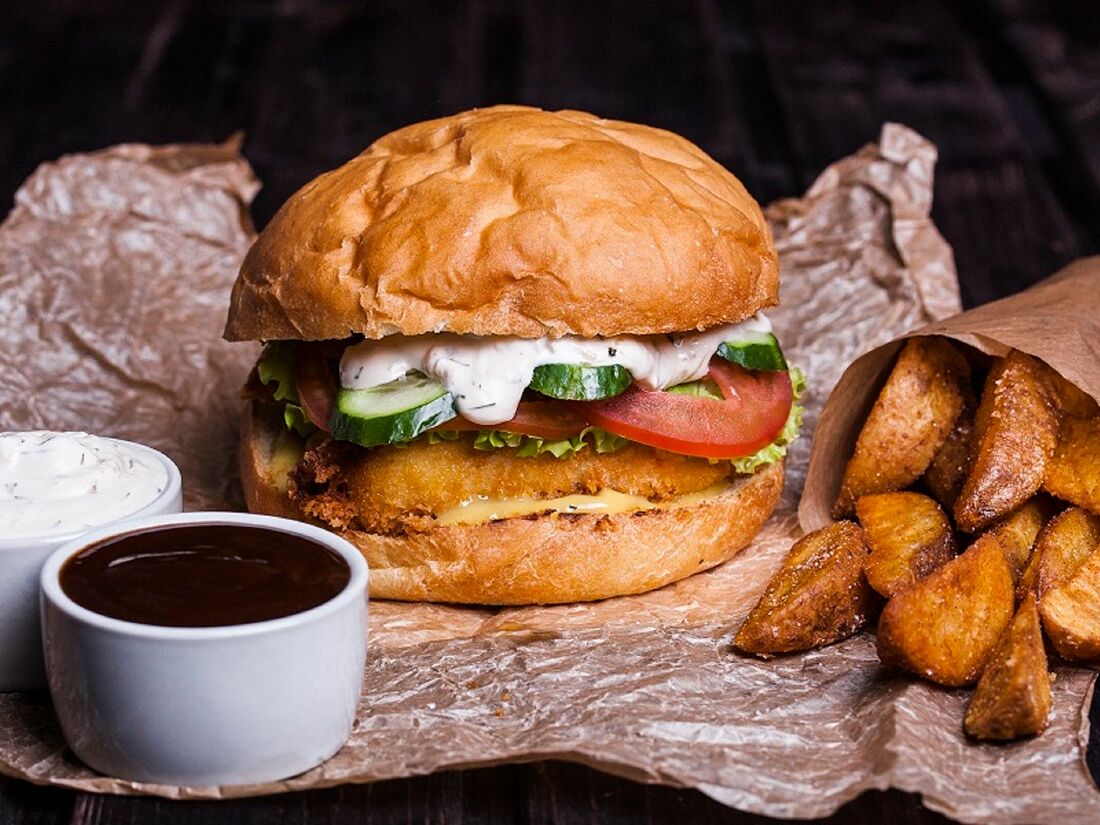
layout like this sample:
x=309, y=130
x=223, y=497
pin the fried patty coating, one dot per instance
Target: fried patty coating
x=399, y=489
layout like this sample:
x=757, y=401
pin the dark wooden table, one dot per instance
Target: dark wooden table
x=1008, y=89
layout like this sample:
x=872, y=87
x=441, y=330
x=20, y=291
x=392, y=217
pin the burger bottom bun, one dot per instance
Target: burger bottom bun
x=548, y=559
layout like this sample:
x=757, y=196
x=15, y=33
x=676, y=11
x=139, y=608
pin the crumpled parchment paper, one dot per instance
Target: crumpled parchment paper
x=115, y=269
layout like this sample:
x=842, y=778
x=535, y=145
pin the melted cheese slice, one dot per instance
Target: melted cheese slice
x=284, y=458
x=604, y=503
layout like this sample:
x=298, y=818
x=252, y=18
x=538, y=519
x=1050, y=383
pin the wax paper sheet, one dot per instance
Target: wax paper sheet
x=115, y=269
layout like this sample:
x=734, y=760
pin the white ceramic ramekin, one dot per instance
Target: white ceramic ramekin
x=21, y=562
x=206, y=705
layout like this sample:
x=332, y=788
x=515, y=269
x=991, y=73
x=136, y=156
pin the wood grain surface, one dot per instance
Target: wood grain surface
x=775, y=89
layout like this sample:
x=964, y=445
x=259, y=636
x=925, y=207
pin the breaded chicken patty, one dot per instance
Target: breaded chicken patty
x=399, y=489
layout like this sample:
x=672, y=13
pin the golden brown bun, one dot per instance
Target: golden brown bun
x=543, y=560
x=510, y=221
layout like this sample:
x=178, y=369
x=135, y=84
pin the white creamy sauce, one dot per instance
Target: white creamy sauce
x=487, y=375
x=53, y=483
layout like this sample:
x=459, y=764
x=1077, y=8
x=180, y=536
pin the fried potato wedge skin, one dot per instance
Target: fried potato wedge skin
x=1064, y=545
x=909, y=536
x=951, y=463
x=1017, y=532
x=1071, y=613
x=1074, y=401
x=909, y=422
x=818, y=596
x=1013, y=697
x=1073, y=473
x=946, y=625
x=1029, y=579
x=1016, y=432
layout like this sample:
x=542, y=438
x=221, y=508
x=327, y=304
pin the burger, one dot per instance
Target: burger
x=518, y=357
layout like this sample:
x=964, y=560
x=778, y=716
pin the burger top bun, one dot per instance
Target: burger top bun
x=510, y=221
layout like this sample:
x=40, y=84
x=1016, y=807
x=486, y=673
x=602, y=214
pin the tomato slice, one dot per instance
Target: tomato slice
x=315, y=379
x=551, y=420
x=754, y=411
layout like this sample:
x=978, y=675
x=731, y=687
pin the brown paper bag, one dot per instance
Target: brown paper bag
x=1058, y=321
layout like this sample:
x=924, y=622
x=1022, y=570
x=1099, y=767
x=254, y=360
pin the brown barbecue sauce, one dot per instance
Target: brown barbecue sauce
x=203, y=575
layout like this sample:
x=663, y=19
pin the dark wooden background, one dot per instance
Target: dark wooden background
x=1008, y=89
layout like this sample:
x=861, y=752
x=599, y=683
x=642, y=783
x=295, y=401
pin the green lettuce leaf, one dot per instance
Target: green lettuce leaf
x=437, y=436
x=605, y=442
x=704, y=388
x=527, y=446
x=276, y=365
x=297, y=420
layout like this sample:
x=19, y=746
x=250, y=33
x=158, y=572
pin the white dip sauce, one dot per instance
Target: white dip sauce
x=487, y=375
x=55, y=483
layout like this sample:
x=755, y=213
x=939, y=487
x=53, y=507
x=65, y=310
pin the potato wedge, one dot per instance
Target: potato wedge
x=1063, y=545
x=818, y=596
x=1072, y=400
x=909, y=536
x=1016, y=431
x=1071, y=613
x=1016, y=533
x=1029, y=579
x=909, y=422
x=1074, y=471
x=951, y=463
x=945, y=626
x=1013, y=698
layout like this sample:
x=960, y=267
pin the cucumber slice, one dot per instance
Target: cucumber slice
x=760, y=352
x=576, y=383
x=391, y=413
